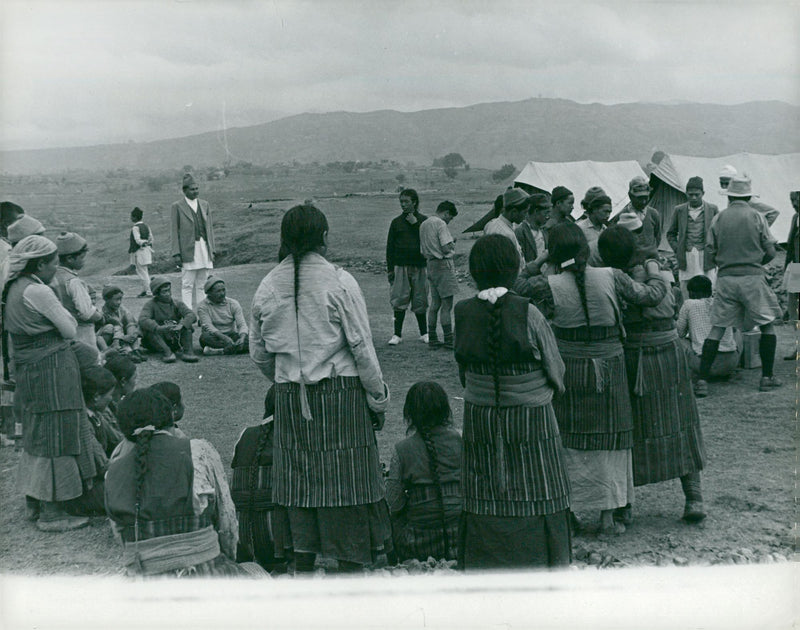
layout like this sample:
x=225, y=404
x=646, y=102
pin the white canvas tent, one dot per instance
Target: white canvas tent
x=773, y=176
x=613, y=177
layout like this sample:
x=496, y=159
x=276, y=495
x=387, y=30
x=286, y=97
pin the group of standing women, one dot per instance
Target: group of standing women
x=560, y=415
x=569, y=416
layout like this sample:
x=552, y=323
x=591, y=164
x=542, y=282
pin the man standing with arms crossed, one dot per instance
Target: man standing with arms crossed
x=192, y=236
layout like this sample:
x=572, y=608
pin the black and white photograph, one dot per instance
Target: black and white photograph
x=379, y=314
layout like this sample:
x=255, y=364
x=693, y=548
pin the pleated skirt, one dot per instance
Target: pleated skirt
x=667, y=440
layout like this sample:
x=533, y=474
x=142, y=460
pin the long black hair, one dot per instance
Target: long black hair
x=426, y=408
x=140, y=414
x=494, y=262
x=568, y=249
x=617, y=247
x=302, y=231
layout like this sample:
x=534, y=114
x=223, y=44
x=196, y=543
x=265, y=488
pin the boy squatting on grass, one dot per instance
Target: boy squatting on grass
x=118, y=329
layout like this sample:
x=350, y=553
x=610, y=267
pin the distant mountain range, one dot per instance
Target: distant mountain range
x=486, y=135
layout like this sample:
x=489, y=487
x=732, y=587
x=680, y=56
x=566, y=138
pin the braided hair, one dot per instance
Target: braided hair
x=426, y=408
x=30, y=269
x=140, y=414
x=172, y=392
x=263, y=438
x=303, y=230
x=494, y=262
x=570, y=251
x=617, y=247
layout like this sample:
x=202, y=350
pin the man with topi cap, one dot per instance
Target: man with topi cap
x=531, y=233
x=687, y=235
x=515, y=206
x=73, y=292
x=648, y=239
x=167, y=324
x=222, y=326
x=192, y=237
x=726, y=174
x=740, y=244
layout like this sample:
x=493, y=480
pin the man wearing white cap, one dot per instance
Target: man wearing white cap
x=71, y=290
x=726, y=174
x=740, y=244
x=192, y=236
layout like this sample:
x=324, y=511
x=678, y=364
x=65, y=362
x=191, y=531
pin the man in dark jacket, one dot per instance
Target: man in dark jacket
x=688, y=235
x=405, y=265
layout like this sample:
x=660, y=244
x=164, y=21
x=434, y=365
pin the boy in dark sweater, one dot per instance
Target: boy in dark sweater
x=406, y=265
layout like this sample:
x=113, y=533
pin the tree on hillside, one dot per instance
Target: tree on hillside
x=504, y=172
x=451, y=160
x=450, y=172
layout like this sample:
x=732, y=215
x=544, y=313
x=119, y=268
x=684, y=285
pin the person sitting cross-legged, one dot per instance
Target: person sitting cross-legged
x=118, y=328
x=694, y=324
x=223, y=329
x=166, y=324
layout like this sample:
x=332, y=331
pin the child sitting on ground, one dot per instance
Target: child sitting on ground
x=172, y=393
x=251, y=489
x=694, y=324
x=124, y=371
x=98, y=386
x=118, y=329
x=423, y=488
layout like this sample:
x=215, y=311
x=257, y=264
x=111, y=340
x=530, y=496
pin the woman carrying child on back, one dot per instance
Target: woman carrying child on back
x=424, y=485
x=168, y=496
x=516, y=490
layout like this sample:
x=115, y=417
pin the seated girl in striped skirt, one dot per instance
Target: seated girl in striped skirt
x=251, y=489
x=423, y=488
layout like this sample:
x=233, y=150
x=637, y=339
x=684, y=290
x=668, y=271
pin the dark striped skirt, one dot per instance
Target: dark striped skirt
x=49, y=402
x=594, y=413
x=332, y=459
x=667, y=441
x=521, y=475
x=418, y=531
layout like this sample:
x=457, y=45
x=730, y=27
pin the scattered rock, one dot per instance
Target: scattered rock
x=738, y=558
x=399, y=571
x=662, y=562
x=779, y=557
x=680, y=561
x=595, y=558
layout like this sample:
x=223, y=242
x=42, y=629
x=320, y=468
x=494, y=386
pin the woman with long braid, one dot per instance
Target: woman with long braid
x=423, y=488
x=667, y=440
x=168, y=498
x=516, y=490
x=583, y=305
x=310, y=335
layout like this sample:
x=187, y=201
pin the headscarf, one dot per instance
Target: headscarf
x=30, y=247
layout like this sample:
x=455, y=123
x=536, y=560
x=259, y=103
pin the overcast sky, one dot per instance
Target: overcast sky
x=76, y=72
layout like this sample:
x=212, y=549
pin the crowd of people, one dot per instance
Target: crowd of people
x=581, y=357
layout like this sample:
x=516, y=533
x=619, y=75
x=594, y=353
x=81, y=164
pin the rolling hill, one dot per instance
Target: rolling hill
x=487, y=135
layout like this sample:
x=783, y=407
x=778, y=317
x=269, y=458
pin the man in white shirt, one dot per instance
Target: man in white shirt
x=192, y=236
x=515, y=205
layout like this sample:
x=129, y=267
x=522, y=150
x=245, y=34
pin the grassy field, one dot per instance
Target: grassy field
x=751, y=438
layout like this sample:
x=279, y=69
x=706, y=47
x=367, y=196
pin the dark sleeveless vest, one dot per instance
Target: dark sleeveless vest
x=244, y=460
x=473, y=317
x=166, y=502
x=144, y=233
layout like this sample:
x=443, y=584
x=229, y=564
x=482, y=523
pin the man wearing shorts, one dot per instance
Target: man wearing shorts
x=406, y=267
x=437, y=245
x=741, y=244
